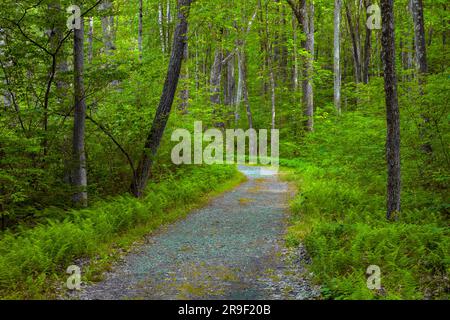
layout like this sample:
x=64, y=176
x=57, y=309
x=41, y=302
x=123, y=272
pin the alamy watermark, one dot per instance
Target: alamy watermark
x=374, y=279
x=225, y=147
x=74, y=280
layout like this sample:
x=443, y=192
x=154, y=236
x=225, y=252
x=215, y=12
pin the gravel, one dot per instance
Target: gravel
x=231, y=249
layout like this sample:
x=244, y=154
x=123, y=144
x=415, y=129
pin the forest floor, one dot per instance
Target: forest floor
x=233, y=248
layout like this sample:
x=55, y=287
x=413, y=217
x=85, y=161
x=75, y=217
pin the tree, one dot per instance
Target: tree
x=304, y=12
x=140, y=178
x=79, y=174
x=336, y=55
x=419, y=36
x=392, y=109
x=140, y=30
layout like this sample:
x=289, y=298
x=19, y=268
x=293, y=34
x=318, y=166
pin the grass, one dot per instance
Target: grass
x=339, y=214
x=33, y=261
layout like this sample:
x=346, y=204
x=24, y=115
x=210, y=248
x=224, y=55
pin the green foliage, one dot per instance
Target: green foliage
x=339, y=213
x=30, y=258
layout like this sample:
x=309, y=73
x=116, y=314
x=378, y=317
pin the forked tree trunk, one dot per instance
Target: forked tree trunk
x=392, y=110
x=154, y=137
x=304, y=12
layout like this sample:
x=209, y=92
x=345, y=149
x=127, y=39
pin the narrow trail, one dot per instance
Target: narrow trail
x=231, y=249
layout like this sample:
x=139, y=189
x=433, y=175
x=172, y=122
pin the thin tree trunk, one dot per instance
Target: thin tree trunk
x=355, y=39
x=154, y=137
x=308, y=99
x=421, y=57
x=367, y=52
x=91, y=39
x=162, y=33
x=296, y=69
x=216, y=76
x=243, y=70
x=184, y=93
x=140, y=30
x=337, y=66
x=419, y=35
x=79, y=175
x=304, y=12
x=392, y=110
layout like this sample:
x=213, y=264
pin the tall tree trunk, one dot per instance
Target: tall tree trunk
x=79, y=175
x=419, y=36
x=392, y=109
x=216, y=76
x=243, y=77
x=367, y=51
x=91, y=39
x=230, y=83
x=162, y=33
x=184, y=92
x=140, y=30
x=308, y=98
x=421, y=57
x=295, y=69
x=337, y=48
x=154, y=137
x=272, y=91
x=304, y=12
x=107, y=27
x=353, y=30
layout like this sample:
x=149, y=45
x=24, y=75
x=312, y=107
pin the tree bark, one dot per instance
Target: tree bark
x=367, y=51
x=91, y=39
x=419, y=36
x=308, y=99
x=79, y=175
x=355, y=42
x=140, y=30
x=154, y=137
x=337, y=66
x=304, y=12
x=392, y=109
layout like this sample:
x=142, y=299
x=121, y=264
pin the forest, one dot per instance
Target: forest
x=92, y=93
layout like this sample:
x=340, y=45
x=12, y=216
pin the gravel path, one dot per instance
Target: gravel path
x=231, y=249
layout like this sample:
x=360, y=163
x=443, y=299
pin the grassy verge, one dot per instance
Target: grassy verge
x=33, y=262
x=339, y=215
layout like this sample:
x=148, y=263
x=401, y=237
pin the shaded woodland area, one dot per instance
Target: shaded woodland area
x=359, y=90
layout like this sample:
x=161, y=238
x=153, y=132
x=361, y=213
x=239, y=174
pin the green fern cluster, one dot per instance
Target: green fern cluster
x=31, y=258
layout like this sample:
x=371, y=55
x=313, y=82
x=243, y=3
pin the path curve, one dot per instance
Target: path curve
x=231, y=249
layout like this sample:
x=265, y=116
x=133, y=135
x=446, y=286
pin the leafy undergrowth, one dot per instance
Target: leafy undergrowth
x=33, y=261
x=339, y=214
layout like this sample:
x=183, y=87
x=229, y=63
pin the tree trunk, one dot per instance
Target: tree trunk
x=367, y=51
x=154, y=137
x=305, y=17
x=107, y=27
x=79, y=175
x=392, y=110
x=337, y=66
x=308, y=99
x=419, y=36
x=355, y=40
x=91, y=39
x=184, y=92
x=216, y=76
x=140, y=30
x=231, y=82
x=421, y=57
x=244, y=86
